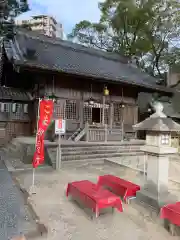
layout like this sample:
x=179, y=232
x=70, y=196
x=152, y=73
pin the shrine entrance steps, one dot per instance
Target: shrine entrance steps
x=22, y=148
x=96, y=153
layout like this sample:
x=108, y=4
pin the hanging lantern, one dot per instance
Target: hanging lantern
x=14, y=107
x=91, y=101
x=106, y=91
x=122, y=105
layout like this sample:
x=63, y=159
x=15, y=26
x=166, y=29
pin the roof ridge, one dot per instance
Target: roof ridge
x=78, y=60
x=77, y=47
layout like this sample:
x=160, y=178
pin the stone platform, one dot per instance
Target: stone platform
x=22, y=149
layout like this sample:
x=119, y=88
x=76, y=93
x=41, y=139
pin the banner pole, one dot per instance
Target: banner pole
x=59, y=143
x=33, y=174
x=33, y=177
x=58, y=153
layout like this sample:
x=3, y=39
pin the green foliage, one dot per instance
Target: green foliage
x=15, y=7
x=143, y=30
x=92, y=34
x=9, y=9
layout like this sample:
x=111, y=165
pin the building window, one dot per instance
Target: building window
x=59, y=109
x=87, y=114
x=117, y=113
x=71, y=111
x=7, y=107
x=16, y=110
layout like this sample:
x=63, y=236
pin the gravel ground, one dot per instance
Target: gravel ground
x=66, y=220
x=14, y=213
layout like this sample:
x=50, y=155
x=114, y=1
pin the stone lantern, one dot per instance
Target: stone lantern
x=158, y=150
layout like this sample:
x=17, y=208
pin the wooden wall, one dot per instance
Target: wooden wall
x=10, y=130
x=73, y=92
x=13, y=124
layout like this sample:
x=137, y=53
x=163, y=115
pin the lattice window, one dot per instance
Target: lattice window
x=7, y=107
x=87, y=114
x=59, y=109
x=106, y=115
x=9, y=129
x=71, y=111
x=18, y=113
x=117, y=113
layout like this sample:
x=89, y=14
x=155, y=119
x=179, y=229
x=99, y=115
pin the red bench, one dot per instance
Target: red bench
x=171, y=212
x=119, y=186
x=93, y=197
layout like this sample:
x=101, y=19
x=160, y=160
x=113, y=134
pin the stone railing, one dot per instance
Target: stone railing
x=137, y=162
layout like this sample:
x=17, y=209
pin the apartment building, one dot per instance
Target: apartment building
x=59, y=31
x=44, y=24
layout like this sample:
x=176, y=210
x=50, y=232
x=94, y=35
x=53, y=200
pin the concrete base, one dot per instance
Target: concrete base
x=154, y=200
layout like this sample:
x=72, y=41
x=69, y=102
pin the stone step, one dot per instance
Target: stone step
x=87, y=148
x=82, y=147
x=94, y=151
x=98, y=147
x=13, y=148
x=18, y=150
x=17, y=153
x=101, y=145
x=80, y=152
x=93, y=156
x=91, y=152
x=9, y=147
x=71, y=154
x=77, y=163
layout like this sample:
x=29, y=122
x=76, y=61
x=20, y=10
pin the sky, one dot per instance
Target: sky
x=67, y=12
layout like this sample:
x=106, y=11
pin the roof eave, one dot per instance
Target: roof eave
x=24, y=63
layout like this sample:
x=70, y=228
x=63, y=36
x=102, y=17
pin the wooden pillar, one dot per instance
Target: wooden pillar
x=81, y=113
x=1, y=59
x=103, y=111
x=135, y=114
x=111, y=115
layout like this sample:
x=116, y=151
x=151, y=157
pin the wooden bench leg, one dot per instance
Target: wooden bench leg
x=97, y=212
x=130, y=198
x=172, y=229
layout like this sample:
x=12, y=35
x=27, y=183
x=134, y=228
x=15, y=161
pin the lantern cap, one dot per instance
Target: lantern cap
x=158, y=122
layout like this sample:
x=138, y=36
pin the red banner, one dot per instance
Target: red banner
x=45, y=115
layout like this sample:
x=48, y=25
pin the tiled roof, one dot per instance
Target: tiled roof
x=38, y=51
x=7, y=93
